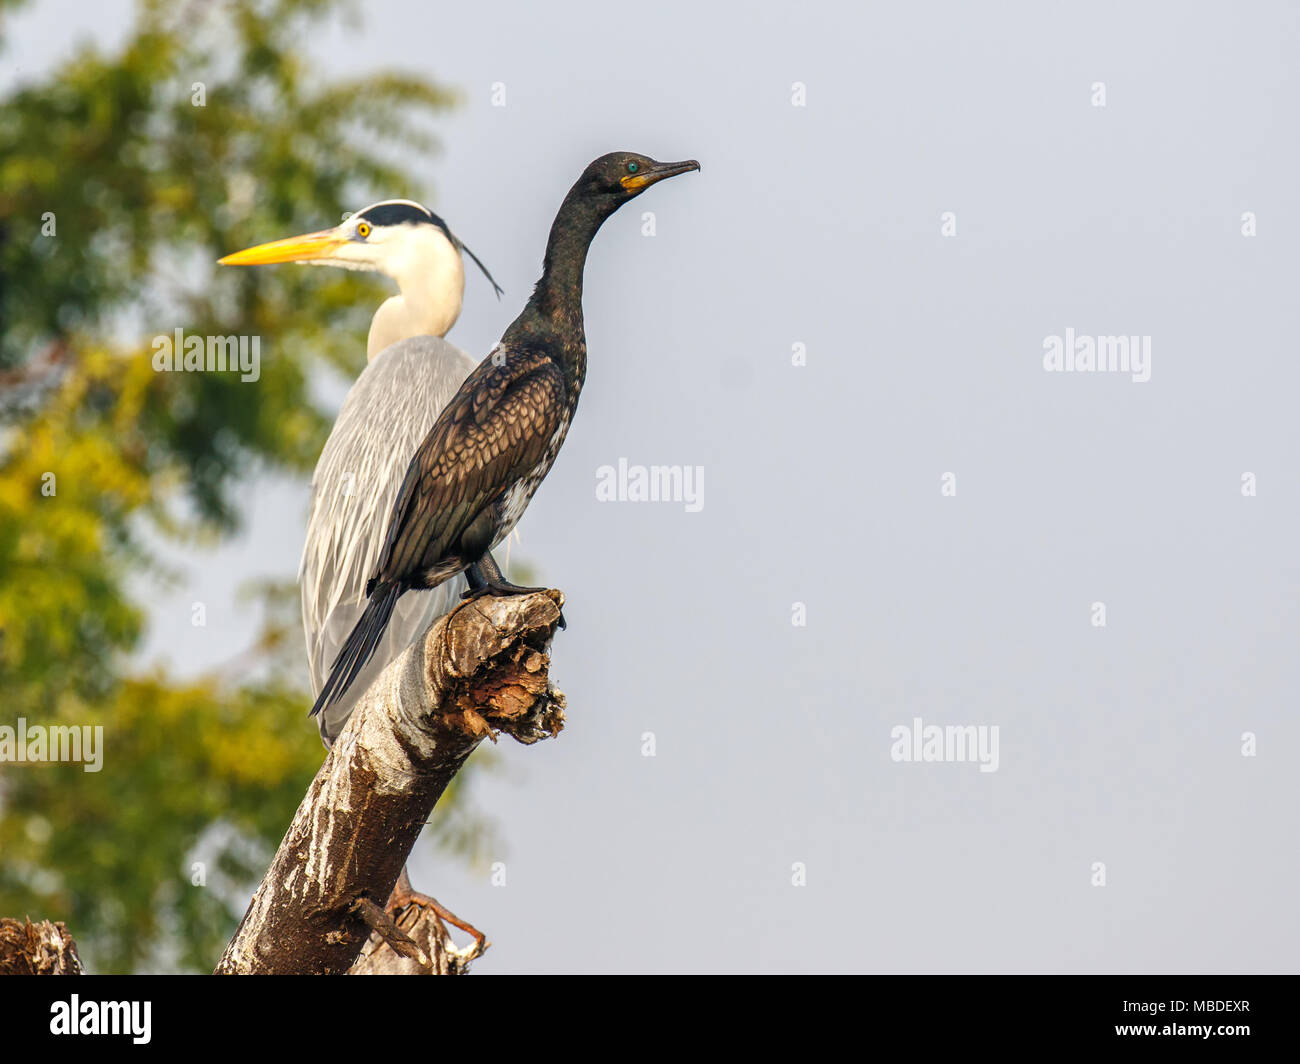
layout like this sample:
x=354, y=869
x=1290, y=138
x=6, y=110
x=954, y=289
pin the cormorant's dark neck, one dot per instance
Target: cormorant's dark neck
x=556, y=303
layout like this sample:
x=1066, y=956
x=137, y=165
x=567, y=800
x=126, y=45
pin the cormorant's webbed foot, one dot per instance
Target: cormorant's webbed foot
x=485, y=578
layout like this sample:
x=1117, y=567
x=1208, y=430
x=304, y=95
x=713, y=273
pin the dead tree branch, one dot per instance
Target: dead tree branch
x=37, y=949
x=481, y=670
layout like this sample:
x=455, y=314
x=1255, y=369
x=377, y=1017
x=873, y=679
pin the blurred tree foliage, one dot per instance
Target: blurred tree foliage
x=120, y=185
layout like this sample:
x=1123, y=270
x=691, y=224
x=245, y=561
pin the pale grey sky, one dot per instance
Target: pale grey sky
x=820, y=225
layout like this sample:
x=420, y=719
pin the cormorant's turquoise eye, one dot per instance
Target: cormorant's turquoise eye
x=632, y=168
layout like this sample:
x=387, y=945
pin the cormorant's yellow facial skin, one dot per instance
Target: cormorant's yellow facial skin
x=640, y=173
x=634, y=182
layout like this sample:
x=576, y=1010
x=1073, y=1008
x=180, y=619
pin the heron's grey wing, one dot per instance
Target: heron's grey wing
x=388, y=412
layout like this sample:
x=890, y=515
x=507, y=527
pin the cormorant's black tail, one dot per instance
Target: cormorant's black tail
x=361, y=644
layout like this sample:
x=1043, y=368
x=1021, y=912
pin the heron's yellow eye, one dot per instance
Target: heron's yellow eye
x=363, y=230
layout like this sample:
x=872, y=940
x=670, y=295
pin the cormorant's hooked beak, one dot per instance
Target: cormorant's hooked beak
x=656, y=172
x=310, y=247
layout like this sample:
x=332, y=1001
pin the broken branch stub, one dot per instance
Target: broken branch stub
x=45, y=948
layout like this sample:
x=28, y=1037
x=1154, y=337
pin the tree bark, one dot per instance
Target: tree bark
x=481, y=670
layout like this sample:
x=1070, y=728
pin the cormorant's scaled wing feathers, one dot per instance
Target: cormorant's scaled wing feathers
x=493, y=434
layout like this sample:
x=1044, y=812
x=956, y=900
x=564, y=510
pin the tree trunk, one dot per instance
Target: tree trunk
x=480, y=670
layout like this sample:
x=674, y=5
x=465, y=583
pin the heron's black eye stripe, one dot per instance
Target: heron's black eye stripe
x=382, y=215
x=396, y=214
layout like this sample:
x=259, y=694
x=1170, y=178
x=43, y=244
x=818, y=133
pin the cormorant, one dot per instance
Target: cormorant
x=474, y=474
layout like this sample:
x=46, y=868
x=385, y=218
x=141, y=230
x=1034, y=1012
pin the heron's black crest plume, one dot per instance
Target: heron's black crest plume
x=402, y=212
x=479, y=263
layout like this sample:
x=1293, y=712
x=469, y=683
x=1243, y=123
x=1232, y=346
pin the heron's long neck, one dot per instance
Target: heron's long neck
x=431, y=281
x=399, y=318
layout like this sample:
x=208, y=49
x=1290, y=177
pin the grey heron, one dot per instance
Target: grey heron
x=410, y=375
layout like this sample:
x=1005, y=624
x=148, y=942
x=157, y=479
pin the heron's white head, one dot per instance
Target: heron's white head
x=402, y=240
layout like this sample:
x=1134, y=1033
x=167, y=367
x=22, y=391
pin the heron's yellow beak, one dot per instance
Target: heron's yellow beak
x=303, y=248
